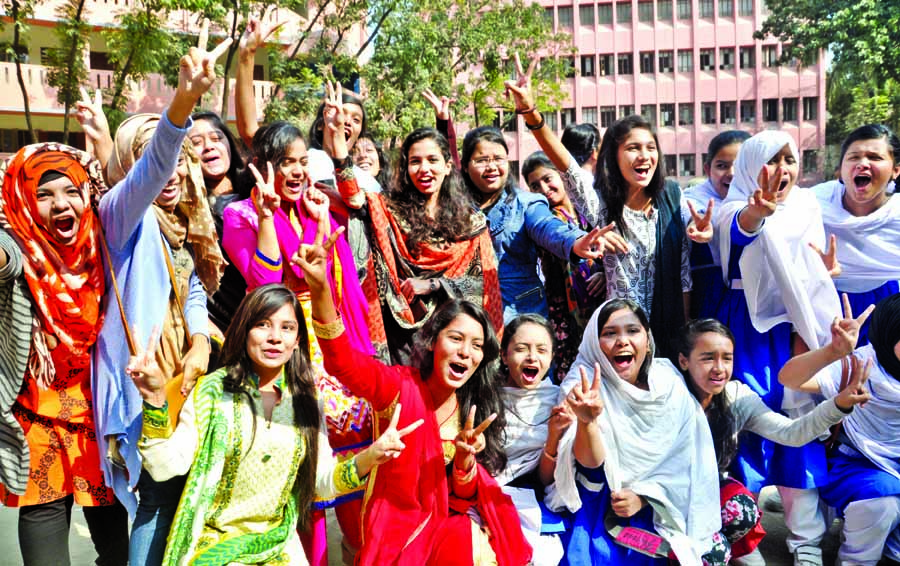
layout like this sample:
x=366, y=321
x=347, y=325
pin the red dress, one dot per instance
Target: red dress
x=407, y=516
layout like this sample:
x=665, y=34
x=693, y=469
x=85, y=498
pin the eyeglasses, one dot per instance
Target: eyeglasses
x=485, y=162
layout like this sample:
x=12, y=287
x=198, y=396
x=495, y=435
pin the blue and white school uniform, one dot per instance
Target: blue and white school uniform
x=868, y=248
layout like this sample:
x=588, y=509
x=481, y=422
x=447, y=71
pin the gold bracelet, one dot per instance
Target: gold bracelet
x=328, y=330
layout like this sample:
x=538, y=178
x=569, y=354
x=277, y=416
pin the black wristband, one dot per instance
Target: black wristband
x=537, y=126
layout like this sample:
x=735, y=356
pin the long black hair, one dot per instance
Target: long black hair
x=613, y=305
x=385, y=168
x=718, y=413
x=483, y=389
x=453, y=221
x=884, y=333
x=257, y=306
x=610, y=182
x=582, y=140
x=270, y=144
x=237, y=156
x=474, y=137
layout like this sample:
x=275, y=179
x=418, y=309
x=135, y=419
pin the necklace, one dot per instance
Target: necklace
x=452, y=412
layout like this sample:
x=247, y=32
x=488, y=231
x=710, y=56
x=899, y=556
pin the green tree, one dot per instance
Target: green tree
x=67, y=68
x=864, y=34
x=20, y=11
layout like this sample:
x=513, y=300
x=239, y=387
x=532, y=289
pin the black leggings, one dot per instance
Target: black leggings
x=44, y=533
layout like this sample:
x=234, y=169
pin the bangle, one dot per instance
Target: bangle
x=549, y=456
x=537, y=126
x=526, y=111
x=328, y=330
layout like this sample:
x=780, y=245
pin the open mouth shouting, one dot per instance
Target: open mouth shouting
x=643, y=173
x=530, y=374
x=458, y=371
x=862, y=182
x=293, y=188
x=623, y=362
x=64, y=227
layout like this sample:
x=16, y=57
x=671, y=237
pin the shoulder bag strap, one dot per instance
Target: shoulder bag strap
x=112, y=273
x=174, y=283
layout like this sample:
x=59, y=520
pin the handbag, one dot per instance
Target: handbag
x=173, y=387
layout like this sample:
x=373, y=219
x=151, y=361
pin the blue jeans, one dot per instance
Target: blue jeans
x=157, y=503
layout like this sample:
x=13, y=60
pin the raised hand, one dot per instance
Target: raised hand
x=561, y=418
x=829, y=257
x=265, y=198
x=598, y=241
x=625, y=503
x=313, y=258
x=334, y=136
x=470, y=441
x=520, y=89
x=316, y=204
x=145, y=372
x=440, y=104
x=762, y=203
x=89, y=113
x=584, y=399
x=845, y=332
x=856, y=392
x=390, y=444
x=700, y=230
x=255, y=34
x=197, y=71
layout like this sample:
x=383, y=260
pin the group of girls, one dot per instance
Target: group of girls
x=215, y=352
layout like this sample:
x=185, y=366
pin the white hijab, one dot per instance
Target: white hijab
x=783, y=279
x=868, y=246
x=657, y=444
x=527, y=416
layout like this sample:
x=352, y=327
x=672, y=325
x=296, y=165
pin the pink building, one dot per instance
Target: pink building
x=691, y=67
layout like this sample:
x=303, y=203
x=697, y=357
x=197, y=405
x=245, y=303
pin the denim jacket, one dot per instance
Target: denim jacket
x=520, y=222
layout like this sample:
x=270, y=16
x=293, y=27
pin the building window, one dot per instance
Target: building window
x=100, y=61
x=686, y=166
x=810, y=161
x=789, y=113
x=564, y=16
x=706, y=8
x=625, y=64
x=770, y=109
x=623, y=12
x=626, y=110
x=586, y=15
x=568, y=65
x=589, y=115
x=685, y=61
x=604, y=14
x=587, y=65
x=21, y=53
x=707, y=60
x=728, y=112
x=748, y=111
x=648, y=111
x=684, y=10
x=550, y=119
x=671, y=164
x=707, y=112
x=726, y=8
x=748, y=57
x=726, y=58
x=664, y=10
x=810, y=108
x=607, y=116
x=667, y=115
x=606, y=65
x=770, y=55
x=567, y=116
x=686, y=114
x=645, y=11
x=745, y=7
x=646, y=61
x=548, y=16
x=666, y=61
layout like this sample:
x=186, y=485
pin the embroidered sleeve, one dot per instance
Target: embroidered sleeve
x=352, y=195
x=346, y=476
x=328, y=331
x=156, y=422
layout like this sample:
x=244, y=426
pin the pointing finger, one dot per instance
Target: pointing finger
x=470, y=419
x=220, y=49
x=519, y=69
x=585, y=386
x=395, y=418
x=403, y=432
x=848, y=310
x=865, y=315
x=483, y=426
x=598, y=375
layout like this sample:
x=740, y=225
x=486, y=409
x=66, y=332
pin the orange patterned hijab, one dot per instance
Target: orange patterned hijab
x=66, y=282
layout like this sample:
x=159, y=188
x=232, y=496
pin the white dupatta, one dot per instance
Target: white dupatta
x=868, y=246
x=657, y=443
x=784, y=280
x=527, y=417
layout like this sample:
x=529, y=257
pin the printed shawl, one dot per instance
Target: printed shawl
x=66, y=282
x=191, y=220
x=215, y=423
x=393, y=262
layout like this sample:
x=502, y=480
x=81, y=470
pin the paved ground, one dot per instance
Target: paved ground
x=82, y=551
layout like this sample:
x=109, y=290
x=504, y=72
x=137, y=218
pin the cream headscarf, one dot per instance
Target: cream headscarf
x=657, y=444
x=192, y=219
